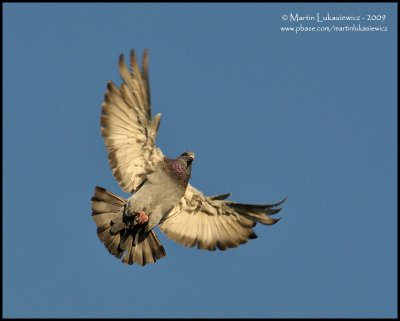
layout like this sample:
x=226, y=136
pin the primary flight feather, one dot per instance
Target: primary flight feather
x=161, y=193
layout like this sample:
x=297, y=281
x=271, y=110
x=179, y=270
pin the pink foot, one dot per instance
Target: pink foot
x=142, y=217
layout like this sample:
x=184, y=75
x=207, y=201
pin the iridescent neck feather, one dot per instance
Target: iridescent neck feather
x=178, y=169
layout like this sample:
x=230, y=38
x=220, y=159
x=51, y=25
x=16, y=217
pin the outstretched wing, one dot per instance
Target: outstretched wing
x=128, y=130
x=211, y=222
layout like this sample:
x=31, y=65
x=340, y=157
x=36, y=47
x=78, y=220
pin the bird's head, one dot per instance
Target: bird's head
x=188, y=157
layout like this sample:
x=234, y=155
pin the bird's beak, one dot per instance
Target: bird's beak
x=191, y=155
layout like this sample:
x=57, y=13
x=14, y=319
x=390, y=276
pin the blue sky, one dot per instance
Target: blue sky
x=269, y=114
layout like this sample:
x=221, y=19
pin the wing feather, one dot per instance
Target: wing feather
x=213, y=222
x=128, y=130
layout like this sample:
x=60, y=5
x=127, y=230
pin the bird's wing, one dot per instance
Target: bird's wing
x=128, y=130
x=211, y=222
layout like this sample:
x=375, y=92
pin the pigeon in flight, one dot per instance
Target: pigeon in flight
x=161, y=193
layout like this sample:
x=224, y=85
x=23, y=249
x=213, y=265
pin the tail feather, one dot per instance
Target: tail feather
x=155, y=244
x=147, y=251
x=102, y=194
x=132, y=244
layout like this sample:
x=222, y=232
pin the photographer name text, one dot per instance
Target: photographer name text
x=330, y=17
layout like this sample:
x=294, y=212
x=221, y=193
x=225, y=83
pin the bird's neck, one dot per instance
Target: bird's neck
x=176, y=168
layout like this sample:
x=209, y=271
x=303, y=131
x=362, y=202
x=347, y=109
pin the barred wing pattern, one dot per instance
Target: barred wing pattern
x=128, y=130
x=213, y=222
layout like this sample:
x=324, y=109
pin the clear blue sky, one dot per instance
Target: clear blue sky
x=269, y=114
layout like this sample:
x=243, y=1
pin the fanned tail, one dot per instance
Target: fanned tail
x=120, y=235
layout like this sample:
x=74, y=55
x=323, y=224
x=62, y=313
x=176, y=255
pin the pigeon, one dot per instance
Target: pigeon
x=161, y=193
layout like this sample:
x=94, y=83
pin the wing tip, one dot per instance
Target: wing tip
x=220, y=196
x=253, y=235
x=121, y=58
x=275, y=220
x=280, y=202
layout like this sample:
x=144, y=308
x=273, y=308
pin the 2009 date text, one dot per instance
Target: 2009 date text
x=373, y=17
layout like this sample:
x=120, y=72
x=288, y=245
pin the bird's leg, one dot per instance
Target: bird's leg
x=142, y=217
x=126, y=209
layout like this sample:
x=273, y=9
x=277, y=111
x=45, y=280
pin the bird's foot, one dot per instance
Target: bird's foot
x=142, y=217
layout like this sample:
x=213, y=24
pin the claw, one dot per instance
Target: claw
x=142, y=217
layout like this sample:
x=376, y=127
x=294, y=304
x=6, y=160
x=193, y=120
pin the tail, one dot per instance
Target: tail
x=120, y=237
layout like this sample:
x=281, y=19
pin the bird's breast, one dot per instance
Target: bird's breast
x=157, y=196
